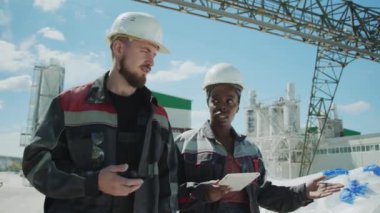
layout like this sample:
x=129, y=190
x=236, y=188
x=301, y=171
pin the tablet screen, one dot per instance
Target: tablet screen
x=237, y=181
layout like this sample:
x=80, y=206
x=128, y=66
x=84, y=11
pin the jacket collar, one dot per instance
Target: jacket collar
x=98, y=92
x=207, y=131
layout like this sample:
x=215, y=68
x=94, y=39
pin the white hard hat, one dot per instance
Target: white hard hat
x=138, y=25
x=223, y=73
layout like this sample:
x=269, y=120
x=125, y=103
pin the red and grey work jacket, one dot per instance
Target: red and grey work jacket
x=77, y=138
x=202, y=158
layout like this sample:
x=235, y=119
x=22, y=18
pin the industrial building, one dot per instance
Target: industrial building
x=275, y=128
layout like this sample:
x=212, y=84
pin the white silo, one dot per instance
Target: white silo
x=251, y=115
x=290, y=91
x=252, y=98
x=291, y=110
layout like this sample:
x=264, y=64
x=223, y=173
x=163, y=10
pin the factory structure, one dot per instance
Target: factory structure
x=276, y=129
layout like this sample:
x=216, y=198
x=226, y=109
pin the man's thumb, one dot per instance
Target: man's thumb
x=120, y=168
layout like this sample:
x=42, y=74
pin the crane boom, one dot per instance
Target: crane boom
x=350, y=27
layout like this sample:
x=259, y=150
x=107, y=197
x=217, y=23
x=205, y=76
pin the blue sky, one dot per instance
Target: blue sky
x=74, y=32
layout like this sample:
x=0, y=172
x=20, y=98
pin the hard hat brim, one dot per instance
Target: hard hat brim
x=161, y=47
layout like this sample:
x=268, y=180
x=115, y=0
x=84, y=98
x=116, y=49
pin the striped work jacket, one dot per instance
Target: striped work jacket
x=77, y=138
x=202, y=158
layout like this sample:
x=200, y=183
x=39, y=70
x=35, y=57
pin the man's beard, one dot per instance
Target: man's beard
x=132, y=78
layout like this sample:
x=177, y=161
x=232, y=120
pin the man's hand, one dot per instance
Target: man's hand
x=111, y=183
x=317, y=189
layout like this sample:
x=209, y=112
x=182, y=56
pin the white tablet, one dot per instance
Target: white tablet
x=237, y=181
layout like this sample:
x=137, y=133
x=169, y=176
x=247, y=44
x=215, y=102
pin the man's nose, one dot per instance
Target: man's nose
x=150, y=60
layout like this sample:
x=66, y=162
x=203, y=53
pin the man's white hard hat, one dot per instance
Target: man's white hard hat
x=223, y=73
x=138, y=25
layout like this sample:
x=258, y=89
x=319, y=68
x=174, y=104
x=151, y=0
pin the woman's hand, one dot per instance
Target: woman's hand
x=316, y=189
x=215, y=191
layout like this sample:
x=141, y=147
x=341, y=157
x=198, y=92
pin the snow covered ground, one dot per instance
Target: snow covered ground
x=17, y=197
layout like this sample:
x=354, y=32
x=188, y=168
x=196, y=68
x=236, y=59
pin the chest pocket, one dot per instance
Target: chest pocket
x=200, y=167
x=87, y=146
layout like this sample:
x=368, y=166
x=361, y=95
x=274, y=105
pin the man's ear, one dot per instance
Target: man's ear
x=117, y=48
x=237, y=110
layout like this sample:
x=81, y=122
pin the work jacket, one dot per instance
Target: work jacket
x=202, y=158
x=77, y=138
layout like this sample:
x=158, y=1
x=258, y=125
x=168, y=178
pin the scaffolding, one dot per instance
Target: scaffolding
x=47, y=83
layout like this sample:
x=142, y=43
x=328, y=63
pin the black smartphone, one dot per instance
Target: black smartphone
x=131, y=174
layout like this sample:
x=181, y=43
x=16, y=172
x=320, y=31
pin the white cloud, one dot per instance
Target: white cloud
x=14, y=58
x=79, y=68
x=1, y=104
x=180, y=70
x=16, y=83
x=354, y=108
x=198, y=118
x=49, y=5
x=27, y=44
x=51, y=33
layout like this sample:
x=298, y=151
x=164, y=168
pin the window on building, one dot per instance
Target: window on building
x=377, y=147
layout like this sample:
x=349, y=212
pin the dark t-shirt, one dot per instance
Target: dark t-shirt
x=132, y=114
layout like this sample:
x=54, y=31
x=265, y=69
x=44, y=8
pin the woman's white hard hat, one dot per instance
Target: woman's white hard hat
x=223, y=73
